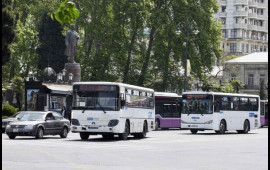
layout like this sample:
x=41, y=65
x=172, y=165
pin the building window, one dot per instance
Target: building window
x=262, y=77
x=233, y=77
x=242, y=47
x=264, y=48
x=223, y=8
x=233, y=33
x=261, y=48
x=247, y=46
x=250, y=79
x=224, y=32
x=233, y=47
x=252, y=48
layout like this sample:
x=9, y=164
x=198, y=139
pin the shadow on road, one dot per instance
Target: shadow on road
x=115, y=139
x=215, y=134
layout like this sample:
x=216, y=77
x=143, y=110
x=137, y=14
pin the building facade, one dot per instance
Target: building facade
x=251, y=70
x=245, y=26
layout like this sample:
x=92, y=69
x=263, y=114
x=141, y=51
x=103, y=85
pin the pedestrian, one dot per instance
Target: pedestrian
x=63, y=111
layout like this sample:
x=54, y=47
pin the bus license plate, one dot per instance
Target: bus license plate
x=15, y=130
x=194, y=125
x=92, y=127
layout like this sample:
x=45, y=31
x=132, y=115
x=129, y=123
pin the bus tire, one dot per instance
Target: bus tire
x=222, y=127
x=157, y=124
x=84, y=135
x=246, y=127
x=194, y=131
x=124, y=136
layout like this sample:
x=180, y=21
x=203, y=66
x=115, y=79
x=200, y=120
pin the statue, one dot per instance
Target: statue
x=71, y=42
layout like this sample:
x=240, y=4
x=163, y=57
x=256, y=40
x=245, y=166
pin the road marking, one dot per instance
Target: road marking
x=74, y=165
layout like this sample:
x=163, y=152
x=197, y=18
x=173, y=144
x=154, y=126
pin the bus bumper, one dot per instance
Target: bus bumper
x=94, y=129
x=197, y=126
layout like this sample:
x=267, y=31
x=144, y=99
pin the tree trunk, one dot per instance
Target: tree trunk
x=166, y=68
x=126, y=72
x=147, y=57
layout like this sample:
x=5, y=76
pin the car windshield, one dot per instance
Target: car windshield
x=18, y=115
x=33, y=117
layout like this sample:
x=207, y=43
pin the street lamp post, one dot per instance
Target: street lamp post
x=195, y=31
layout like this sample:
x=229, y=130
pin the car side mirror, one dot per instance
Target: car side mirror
x=123, y=103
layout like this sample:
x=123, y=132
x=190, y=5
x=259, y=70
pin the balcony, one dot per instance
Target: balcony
x=240, y=14
x=223, y=14
x=262, y=5
x=252, y=87
x=240, y=26
x=252, y=27
x=262, y=29
x=253, y=4
x=252, y=15
x=261, y=17
x=241, y=2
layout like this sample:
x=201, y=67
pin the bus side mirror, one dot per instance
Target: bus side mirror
x=123, y=103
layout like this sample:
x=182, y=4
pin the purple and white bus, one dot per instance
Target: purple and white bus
x=264, y=113
x=168, y=110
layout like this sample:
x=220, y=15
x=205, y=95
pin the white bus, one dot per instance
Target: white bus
x=110, y=109
x=220, y=112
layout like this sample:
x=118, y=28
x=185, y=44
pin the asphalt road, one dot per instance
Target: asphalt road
x=161, y=150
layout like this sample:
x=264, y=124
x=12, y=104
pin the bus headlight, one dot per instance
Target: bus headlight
x=113, y=122
x=209, y=122
x=183, y=122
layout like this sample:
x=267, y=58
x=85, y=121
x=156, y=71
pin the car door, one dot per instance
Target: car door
x=50, y=124
x=58, y=122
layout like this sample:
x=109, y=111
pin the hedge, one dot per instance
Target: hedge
x=8, y=110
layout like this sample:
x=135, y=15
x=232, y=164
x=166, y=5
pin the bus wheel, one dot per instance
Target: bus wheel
x=222, y=127
x=194, y=131
x=84, y=135
x=246, y=127
x=124, y=136
x=157, y=124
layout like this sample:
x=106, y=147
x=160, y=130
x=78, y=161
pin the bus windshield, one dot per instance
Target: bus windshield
x=197, y=104
x=168, y=108
x=96, y=97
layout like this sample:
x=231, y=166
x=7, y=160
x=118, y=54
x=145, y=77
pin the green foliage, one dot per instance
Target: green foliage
x=262, y=91
x=228, y=88
x=8, y=110
x=237, y=85
x=66, y=13
x=8, y=35
x=17, y=86
x=52, y=45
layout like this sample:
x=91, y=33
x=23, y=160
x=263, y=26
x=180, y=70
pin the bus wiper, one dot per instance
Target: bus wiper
x=101, y=107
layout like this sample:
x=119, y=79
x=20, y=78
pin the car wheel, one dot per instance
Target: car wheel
x=40, y=133
x=11, y=136
x=124, y=136
x=84, y=135
x=194, y=131
x=64, y=133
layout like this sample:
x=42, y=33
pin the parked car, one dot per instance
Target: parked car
x=38, y=124
x=15, y=117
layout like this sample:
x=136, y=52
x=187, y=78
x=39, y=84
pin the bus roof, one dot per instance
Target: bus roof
x=114, y=83
x=220, y=93
x=165, y=94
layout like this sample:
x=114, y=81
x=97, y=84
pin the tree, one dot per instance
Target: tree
x=17, y=86
x=8, y=35
x=237, y=85
x=262, y=91
x=52, y=45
